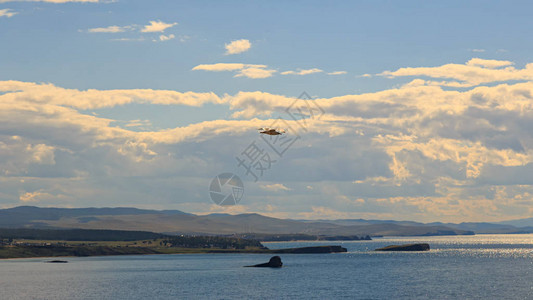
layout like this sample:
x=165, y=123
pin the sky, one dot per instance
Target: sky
x=405, y=110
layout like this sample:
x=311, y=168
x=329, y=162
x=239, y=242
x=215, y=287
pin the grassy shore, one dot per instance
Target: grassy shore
x=49, y=248
x=54, y=248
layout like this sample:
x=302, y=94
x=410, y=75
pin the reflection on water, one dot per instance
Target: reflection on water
x=457, y=267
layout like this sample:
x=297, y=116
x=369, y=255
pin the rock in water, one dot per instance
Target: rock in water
x=408, y=247
x=274, y=262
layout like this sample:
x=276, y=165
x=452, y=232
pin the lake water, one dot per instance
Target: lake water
x=457, y=267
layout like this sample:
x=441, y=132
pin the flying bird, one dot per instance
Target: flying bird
x=271, y=131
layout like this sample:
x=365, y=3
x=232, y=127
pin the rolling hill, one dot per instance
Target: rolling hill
x=178, y=222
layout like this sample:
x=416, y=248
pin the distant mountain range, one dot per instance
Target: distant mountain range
x=178, y=222
x=516, y=226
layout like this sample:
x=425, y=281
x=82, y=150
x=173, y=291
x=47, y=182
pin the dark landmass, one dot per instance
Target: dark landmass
x=175, y=222
x=408, y=247
x=207, y=242
x=27, y=251
x=301, y=237
x=274, y=262
x=77, y=234
x=57, y=261
x=55, y=250
x=23, y=216
x=310, y=250
x=25, y=243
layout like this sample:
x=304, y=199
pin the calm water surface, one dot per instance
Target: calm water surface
x=457, y=267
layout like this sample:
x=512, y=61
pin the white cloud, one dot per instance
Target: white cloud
x=110, y=29
x=137, y=151
x=255, y=73
x=7, y=13
x=276, y=187
x=34, y=196
x=302, y=72
x=489, y=63
x=337, y=73
x=163, y=37
x=238, y=46
x=219, y=67
x=475, y=72
x=40, y=94
x=41, y=195
x=478, y=50
x=157, y=26
x=138, y=123
x=243, y=70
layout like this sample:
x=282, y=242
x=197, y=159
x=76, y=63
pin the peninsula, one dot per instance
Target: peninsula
x=26, y=243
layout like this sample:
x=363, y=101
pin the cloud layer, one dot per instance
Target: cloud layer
x=419, y=151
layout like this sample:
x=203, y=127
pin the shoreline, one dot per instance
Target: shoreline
x=22, y=252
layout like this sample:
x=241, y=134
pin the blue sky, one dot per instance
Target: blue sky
x=426, y=105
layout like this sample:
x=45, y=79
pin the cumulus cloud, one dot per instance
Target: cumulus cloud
x=243, y=70
x=255, y=73
x=237, y=46
x=302, y=72
x=41, y=153
x=33, y=197
x=163, y=37
x=157, y=26
x=154, y=26
x=42, y=195
x=138, y=123
x=489, y=63
x=8, y=13
x=475, y=72
x=94, y=99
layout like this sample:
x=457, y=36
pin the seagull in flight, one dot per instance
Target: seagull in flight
x=271, y=131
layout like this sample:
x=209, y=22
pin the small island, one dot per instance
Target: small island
x=274, y=262
x=407, y=247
